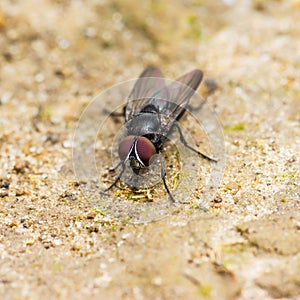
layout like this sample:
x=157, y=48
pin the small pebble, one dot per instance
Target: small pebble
x=29, y=242
x=91, y=215
x=20, y=166
x=157, y=281
x=57, y=242
x=3, y=193
x=20, y=192
x=4, y=184
x=53, y=138
x=67, y=144
x=75, y=247
x=218, y=199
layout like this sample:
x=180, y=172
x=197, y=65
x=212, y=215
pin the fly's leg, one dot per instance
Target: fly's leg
x=190, y=108
x=115, y=168
x=117, y=179
x=115, y=115
x=184, y=142
x=163, y=177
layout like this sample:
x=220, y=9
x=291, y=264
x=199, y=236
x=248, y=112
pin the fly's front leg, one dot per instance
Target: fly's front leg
x=116, y=167
x=117, y=179
x=184, y=142
x=163, y=177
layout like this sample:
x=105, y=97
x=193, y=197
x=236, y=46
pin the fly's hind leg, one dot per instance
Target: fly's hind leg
x=184, y=142
x=191, y=109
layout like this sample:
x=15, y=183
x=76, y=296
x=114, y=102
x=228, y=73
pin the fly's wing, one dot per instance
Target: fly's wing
x=178, y=95
x=148, y=84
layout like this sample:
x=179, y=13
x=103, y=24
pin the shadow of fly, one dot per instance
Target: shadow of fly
x=151, y=113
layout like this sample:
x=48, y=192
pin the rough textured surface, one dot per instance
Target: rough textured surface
x=55, y=245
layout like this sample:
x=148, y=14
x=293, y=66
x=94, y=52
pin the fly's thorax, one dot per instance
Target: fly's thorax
x=143, y=124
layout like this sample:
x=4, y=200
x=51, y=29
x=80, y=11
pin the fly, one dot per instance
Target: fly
x=151, y=114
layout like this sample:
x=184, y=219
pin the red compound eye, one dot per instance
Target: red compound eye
x=145, y=150
x=125, y=146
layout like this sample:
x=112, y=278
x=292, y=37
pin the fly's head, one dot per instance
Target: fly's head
x=138, y=150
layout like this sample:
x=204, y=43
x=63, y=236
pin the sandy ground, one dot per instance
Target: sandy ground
x=56, y=242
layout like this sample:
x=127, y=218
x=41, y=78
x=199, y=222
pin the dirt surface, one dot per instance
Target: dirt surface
x=57, y=243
